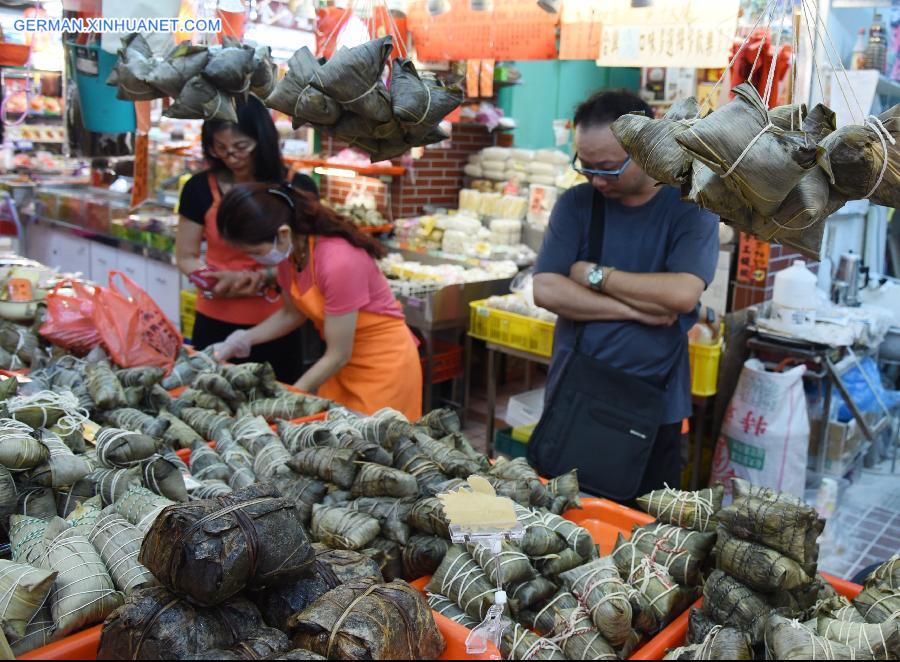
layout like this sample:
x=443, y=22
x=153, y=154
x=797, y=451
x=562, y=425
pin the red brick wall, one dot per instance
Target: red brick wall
x=780, y=257
x=435, y=179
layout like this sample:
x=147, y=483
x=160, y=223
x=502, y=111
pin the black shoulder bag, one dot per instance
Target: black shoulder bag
x=598, y=420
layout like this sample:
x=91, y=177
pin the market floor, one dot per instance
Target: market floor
x=865, y=530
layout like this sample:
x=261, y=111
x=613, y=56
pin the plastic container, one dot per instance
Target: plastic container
x=675, y=634
x=511, y=330
x=505, y=443
x=606, y=520
x=101, y=111
x=525, y=408
x=704, y=368
x=84, y=645
x=446, y=362
x=794, y=297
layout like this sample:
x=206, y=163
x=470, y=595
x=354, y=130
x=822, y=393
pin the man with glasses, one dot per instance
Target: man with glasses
x=641, y=298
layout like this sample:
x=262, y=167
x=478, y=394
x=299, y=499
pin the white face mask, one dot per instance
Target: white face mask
x=275, y=257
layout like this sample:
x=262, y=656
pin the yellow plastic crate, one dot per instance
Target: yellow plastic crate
x=517, y=331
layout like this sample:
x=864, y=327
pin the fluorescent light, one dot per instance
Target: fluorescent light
x=334, y=172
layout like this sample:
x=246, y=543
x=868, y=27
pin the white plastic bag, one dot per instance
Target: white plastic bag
x=765, y=434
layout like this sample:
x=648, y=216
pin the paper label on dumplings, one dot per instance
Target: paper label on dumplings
x=478, y=507
x=89, y=431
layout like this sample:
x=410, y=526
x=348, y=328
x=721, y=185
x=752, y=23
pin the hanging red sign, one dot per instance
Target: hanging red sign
x=753, y=260
x=514, y=30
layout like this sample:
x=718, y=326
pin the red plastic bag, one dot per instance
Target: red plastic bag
x=133, y=329
x=70, y=319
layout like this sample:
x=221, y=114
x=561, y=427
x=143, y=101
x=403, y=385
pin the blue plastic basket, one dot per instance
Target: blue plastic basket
x=101, y=111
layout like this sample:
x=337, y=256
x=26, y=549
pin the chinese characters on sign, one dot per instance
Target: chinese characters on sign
x=753, y=260
x=672, y=33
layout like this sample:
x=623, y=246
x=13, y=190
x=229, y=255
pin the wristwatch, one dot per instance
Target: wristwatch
x=595, y=277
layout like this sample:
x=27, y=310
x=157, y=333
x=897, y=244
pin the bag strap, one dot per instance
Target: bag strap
x=595, y=246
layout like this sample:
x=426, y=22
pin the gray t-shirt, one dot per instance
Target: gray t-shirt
x=665, y=235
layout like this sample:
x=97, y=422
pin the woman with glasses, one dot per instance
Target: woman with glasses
x=330, y=277
x=237, y=291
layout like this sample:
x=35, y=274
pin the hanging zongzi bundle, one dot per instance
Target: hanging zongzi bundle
x=420, y=102
x=352, y=77
x=864, y=160
x=265, y=72
x=201, y=100
x=296, y=96
x=231, y=68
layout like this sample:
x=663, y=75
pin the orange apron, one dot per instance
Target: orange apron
x=219, y=255
x=384, y=369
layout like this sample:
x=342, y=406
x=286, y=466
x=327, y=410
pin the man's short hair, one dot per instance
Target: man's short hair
x=606, y=107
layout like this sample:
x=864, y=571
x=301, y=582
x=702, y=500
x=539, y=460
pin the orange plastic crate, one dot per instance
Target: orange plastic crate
x=84, y=645
x=606, y=520
x=446, y=362
x=676, y=633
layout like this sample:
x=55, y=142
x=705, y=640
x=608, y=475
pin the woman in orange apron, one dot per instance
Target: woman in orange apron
x=236, y=292
x=370, y=360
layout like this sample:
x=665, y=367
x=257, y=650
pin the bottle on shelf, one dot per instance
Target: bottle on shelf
x=858, y=59
x=876, y=51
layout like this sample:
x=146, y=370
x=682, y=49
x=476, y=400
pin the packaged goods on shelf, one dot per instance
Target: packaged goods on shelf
x=517, y=303
x=506, y=232
x=394, y=265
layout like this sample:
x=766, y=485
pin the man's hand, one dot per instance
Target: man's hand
x=234, y=284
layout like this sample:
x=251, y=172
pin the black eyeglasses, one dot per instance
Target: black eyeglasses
x=592, y=172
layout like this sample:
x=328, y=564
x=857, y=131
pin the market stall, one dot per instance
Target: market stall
x=159, y=502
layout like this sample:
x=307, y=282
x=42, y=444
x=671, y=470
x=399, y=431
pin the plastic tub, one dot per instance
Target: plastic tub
x=525, y=408
x=511, y=330
x=675, y=634
x=505, y=443
x=704, y=368
x=83, y=645
x=606, y=520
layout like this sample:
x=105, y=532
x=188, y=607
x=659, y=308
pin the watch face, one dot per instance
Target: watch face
x=594, y=276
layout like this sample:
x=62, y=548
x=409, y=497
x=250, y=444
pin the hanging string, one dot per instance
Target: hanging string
x=734, y=59
x=822, y=30
x=812, y=51
x=770, y=82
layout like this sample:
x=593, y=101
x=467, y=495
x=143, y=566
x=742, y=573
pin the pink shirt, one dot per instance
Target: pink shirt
x=348, y=278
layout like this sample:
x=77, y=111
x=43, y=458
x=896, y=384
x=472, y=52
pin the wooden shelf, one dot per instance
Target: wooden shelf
x=369, y=171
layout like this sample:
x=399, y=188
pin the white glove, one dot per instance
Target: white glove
x=237, y=345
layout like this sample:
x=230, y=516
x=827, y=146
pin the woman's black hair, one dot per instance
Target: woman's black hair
x=252, y=213
x=254, y=121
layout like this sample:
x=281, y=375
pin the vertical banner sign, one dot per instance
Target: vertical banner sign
x=580, y=30
x=140, y=189
x=696, y=34
x=753, y=260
